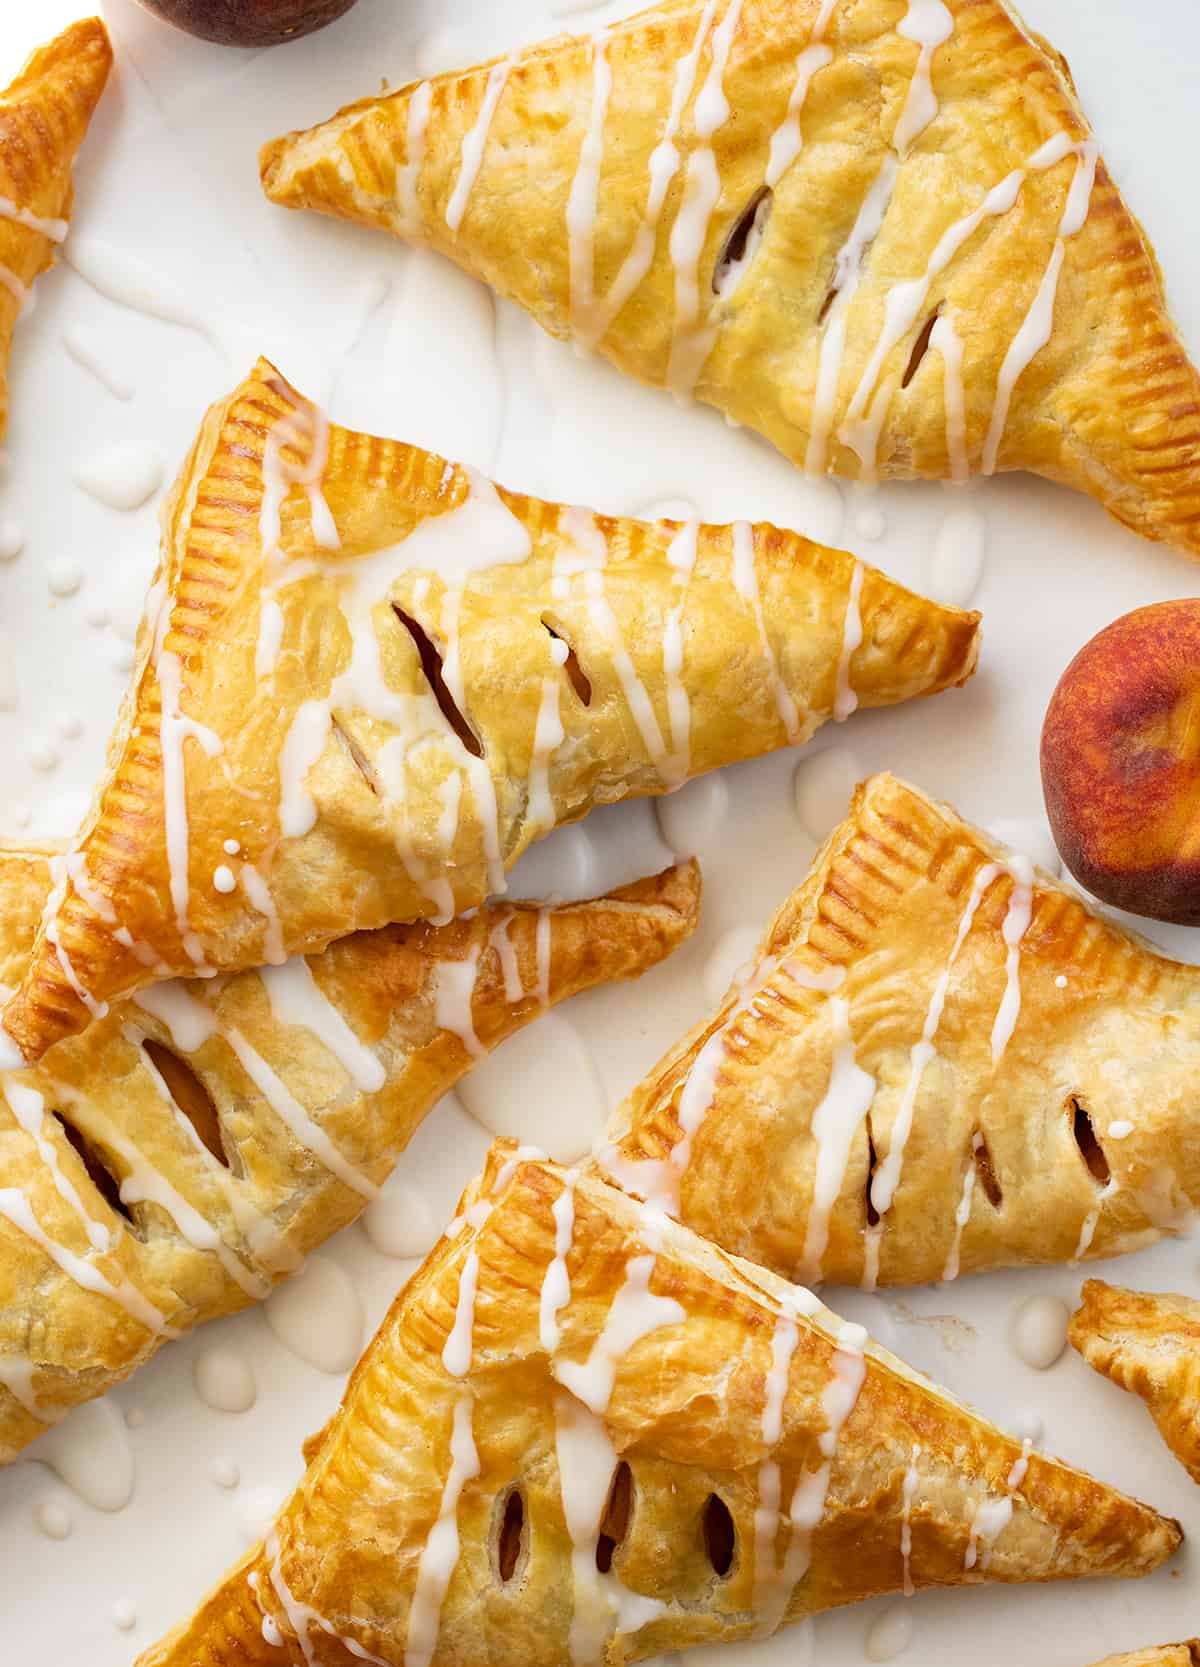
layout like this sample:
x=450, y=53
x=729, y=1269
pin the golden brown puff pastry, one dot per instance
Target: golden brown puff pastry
x=879, y=233
x=584, y=1434
x=1168, y=1655
x=1150, y=1345
x=384, y=677
x=180, y=1158
x=44, y=116
x=941, y=1062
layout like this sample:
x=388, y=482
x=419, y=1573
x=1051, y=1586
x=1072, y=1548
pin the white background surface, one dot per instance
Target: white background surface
x=403, y=344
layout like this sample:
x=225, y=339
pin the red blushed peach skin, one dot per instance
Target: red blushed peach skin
x=1121, y=763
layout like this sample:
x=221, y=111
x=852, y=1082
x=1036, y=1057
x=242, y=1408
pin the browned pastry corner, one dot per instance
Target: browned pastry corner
x=585, y=1434
x=894, y=252
x=44, y=115
x=942, y=1062
x=1150, y=1345
x=180, y=1158
x=381, y=678
x=1167, y=1655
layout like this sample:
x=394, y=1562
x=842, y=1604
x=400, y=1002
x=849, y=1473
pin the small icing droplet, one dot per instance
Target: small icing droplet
x=135, y=1417
x=70, y=726
x=223, y=879
x=64, y=576
x=256, y=1511
x=1121, y=1129
x=1061, y=981
x=97, y=614
x=226, y=1474
x=399, y=1222
x=12, y=539
x=42, y=756
x=318, y=1316
x=122, y=657
x=232, y=847
x=124, y=1615
x=730, y=961
x=52, y=1517
x=89, y=349
x=890, y=1634
x=122, y=476
x=956, y=565
x=869, y=524
x=1031, y=1428
x=1039, y=1331
x=224, y=1379
x=22, y=816
x=824, y=785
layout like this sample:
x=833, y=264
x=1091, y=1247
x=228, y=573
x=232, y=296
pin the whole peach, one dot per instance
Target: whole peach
x=249, y=22
x=1121, y=763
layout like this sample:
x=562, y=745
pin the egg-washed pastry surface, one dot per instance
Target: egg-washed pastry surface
x=584, y=1434
x=942, y=1061
x=44, y=115
x=880, y=233
x=1149, y=1344
x=187, y=1152
x=381, y=678
x=1167, y=1655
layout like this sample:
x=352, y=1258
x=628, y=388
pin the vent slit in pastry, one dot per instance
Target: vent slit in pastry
x=920, y=348
x=511, y=1536
x=357, y=756
x=99, y=1169
x=433, y=666
x=985, y=1170
x=774, y=1457
x=575, y=674
x=615, y=1518
x=1090, y=1150
x=627, y=163
x=720, y=1535
x=700, y=645
x=190, y=1096
x=743, y=243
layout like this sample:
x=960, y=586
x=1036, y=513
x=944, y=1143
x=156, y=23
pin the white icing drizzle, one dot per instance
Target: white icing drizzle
x=681, y=557
x=297, y=999
x=258, y=895
x=1038, y=324
x=174, y=730
x=474, y=143
x=635, y=1312
x=408, y=177
x=636, y=696
x=454, y=986
x=770, y=1498
x=745, y=579
x=16, y=1375
x=963, y=1213
x=584, y=197
x=500, y=941
x=14, y=286
x=439, y=1556
x=845, y=701
x=1088, y=1231
x=692, y=342
x=992, y=1516
x=456, y=1355
x=887, y=1176
x=548, y=736
x=945, y=339
x=929, y=24
x=55, y=230
x=587, y=1461
x=301, y=1617
x=912, y=1481
x=542, y=946
x=807, y=1505
x=835, y=1123
x=556, y=1285
x=1016, y=924
x=787, y=140
x=17, y=1210
x=664, y=165
x=847, y=275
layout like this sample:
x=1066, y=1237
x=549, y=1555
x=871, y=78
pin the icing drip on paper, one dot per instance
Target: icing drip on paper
x=475, y=142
